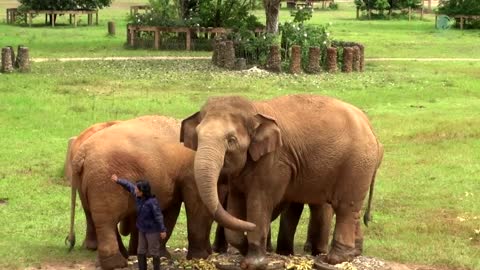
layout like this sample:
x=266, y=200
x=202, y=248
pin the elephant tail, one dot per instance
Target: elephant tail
x=77, y=166
x=367, y=217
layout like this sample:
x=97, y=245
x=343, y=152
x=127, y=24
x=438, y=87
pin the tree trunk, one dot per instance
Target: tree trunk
x=272, y=9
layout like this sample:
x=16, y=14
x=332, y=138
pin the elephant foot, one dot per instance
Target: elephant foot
x=165, y=254
x=340, y=253
x=113, y=262
x=307, y=247
x=269, y=247
x=255, y=259
x=254, y=263
x=90, y=244
x=284, y=251
x=358, y=247
x=220, y=247
x=194, y=253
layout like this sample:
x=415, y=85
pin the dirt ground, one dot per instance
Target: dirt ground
x=231, y=262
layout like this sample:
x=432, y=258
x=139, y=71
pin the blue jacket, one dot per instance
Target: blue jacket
x=149, y=213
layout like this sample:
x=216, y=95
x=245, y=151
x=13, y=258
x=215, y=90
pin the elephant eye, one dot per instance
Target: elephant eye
x=231, y=140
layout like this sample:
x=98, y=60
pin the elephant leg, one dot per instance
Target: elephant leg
x=199, y=224
x=358, y=239
x=288, y=225
x=170, y=216
x=121, y=246
x=319, y=229
x=269, y=240
x=109, y=254
x=130, y=222
x=343, y=244
x=220, y=244
x=90, y=241
x=236, y=207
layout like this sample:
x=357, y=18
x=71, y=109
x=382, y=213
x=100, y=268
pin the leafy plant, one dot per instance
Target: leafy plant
x=63, y=4
x=461, y=7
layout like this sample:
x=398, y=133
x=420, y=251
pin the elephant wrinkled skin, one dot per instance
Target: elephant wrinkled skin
x=299, y=148
x=142, y=148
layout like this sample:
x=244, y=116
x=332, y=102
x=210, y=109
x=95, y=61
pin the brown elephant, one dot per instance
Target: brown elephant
x=90, y=241
x=142, y=148
x=299, y=148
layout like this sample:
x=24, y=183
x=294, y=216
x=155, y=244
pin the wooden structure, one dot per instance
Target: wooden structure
x=134, y=31
x=11, y=15
x=134, y=9
x=53, y=13
x=307, y=3
x=460, y=18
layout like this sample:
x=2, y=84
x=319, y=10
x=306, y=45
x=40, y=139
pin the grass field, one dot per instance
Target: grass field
x=427, y=114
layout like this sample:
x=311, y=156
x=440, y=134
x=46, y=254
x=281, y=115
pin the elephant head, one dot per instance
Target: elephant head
x=227, y=133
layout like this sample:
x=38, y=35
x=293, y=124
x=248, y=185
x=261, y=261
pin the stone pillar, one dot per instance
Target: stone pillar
x=347, y=59
x=7, y=65
x=23, y=59
x=274, y=61
x=362, y=57
x=332, y=59
x=215, y=52
x=241, y=64
x=296, y=60
x=229, y=55
x=314, y=58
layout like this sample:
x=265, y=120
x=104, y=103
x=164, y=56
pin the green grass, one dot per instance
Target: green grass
x=382, y=38
x=426, y=115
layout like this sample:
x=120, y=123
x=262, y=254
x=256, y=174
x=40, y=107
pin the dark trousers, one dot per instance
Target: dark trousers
x=149, y=244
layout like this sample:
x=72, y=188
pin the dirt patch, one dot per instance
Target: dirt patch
x=3, y=201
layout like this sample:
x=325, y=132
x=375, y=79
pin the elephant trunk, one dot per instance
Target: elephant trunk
x=207, y=166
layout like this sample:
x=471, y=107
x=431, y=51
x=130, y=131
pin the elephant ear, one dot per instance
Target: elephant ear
x=267, y=137
x=188, y=133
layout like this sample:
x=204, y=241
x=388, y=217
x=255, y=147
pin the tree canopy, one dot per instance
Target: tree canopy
x=64, y=4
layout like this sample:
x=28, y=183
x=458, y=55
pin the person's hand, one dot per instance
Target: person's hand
x=114, y=178
x=163, y=235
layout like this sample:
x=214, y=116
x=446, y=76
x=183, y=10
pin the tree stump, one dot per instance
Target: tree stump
x=362, y=57
x=7, y=65
x=332, y=59
x=274, y=61
x=347, y=59
x=23, y=59
x=296, y=60
x=241, y=64
x=356, y=59
x=222, y=48
x=229, y=55
x=111, y=28
x=314, y=60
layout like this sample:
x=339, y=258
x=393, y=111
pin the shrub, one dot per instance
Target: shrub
x=461, y=7
x=63, y=4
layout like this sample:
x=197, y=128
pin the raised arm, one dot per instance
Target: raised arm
x=127, y=185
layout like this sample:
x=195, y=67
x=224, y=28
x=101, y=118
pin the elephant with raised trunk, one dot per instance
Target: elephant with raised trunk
x=142, y=148
x=299, y=148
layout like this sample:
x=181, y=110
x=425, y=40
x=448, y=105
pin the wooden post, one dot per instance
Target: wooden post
x=29, y=19
x=70, y=19
x=96, y=17
x=358, y=13
x=274, y=62
x=188, y=40
x=157, y=39
x=132, y=37
x=314, y=60
x=111, y=28
x=409, y=13
x=229, y=55
x=7, y=65
x=74, y=20
x=8, y=15
x=12, y=50
x=296, y=60
x=23, y=59
x=53, y=19
x=461, y=22
x=356, y=59
x=331, y=59
x=347, y=65
x=362, y=57
x=46, y=20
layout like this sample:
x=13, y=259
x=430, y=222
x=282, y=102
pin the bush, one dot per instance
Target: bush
x=461, y=7
x=63, y=4
x=390, y=5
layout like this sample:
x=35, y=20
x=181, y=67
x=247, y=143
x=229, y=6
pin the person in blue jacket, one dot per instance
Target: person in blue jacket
x=149, y=221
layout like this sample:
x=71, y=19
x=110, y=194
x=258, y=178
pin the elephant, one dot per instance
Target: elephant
x=141, y=148
x=296, y=148
x=90, y=241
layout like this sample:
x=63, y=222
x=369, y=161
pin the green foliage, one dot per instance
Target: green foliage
x=301, y=14
x=162, y=13
x=382, y=5
x=254, y=48
x=461, y=7
x=63, y=4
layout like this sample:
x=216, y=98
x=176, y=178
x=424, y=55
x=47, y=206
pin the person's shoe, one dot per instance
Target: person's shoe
x=142, y=262
x=156, y=263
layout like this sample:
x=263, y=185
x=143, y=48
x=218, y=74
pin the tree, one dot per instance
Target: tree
x=272, y=9
x=63, y=4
